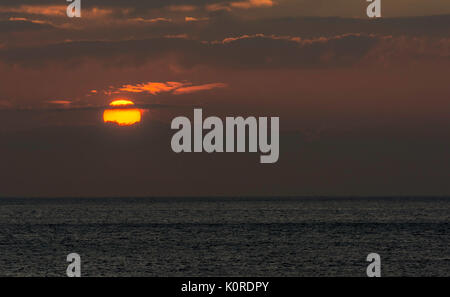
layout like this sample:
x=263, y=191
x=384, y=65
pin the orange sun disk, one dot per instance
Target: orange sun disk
x=122, y=116
x=121, y=102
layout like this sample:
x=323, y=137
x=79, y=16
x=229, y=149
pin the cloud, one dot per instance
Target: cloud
x=247, y=4
x=257, y=51
x=16, y=24
x=274, y=37
x=155, y=20
x=194, y=89
x=182, y=8
x=100, y=8
x=181, y=36
x=285, y=8
x=193, y=19
x=54, y=11
x=252, y=3
x=60, y=102
x=218, y=7
x=173, y=5
x=48, y=10
x=153, y=88
x=125, y=25
x=176, y=88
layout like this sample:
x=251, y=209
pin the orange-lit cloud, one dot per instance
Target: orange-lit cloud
x=62, y=102
x=151, y=87
x=218, y=7
x=176, y=88
x=47, y=10
x=247, y=4
x=55, y=10
x=155, y=20
x=193, y=89
x=21, y=19
x=192, y=19
x=177, y=36
x=274, y=37
x=17, y=19
x=252, y=3
x=182, y=8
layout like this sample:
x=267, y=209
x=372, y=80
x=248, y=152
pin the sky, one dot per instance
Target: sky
x=363, y=103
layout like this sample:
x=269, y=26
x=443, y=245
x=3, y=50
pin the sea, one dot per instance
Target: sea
x=239, y=237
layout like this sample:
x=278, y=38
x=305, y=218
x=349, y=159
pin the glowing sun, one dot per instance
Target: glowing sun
x=121, y=114
x=121, y=102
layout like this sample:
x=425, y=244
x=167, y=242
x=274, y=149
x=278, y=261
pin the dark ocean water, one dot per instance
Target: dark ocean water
x=225, y=237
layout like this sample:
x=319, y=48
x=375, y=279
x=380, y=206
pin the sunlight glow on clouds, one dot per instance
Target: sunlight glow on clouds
x=177, y=88
x=247, y=4
x=153, y=88
x=182, y=8
x=54, y=10
x=61, y=102
x=155, y=20
x=193, y=89
x=252, y=3
x=193, y=19
x=49, y=10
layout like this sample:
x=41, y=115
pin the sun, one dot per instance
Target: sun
x=121, y=115
x=121, y=102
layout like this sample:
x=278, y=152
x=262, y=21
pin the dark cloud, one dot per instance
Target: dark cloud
x=22, y=25
x=307, y=27
x=253, y=51
x=218, y=27
x=115, y=3
x=348, y=8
